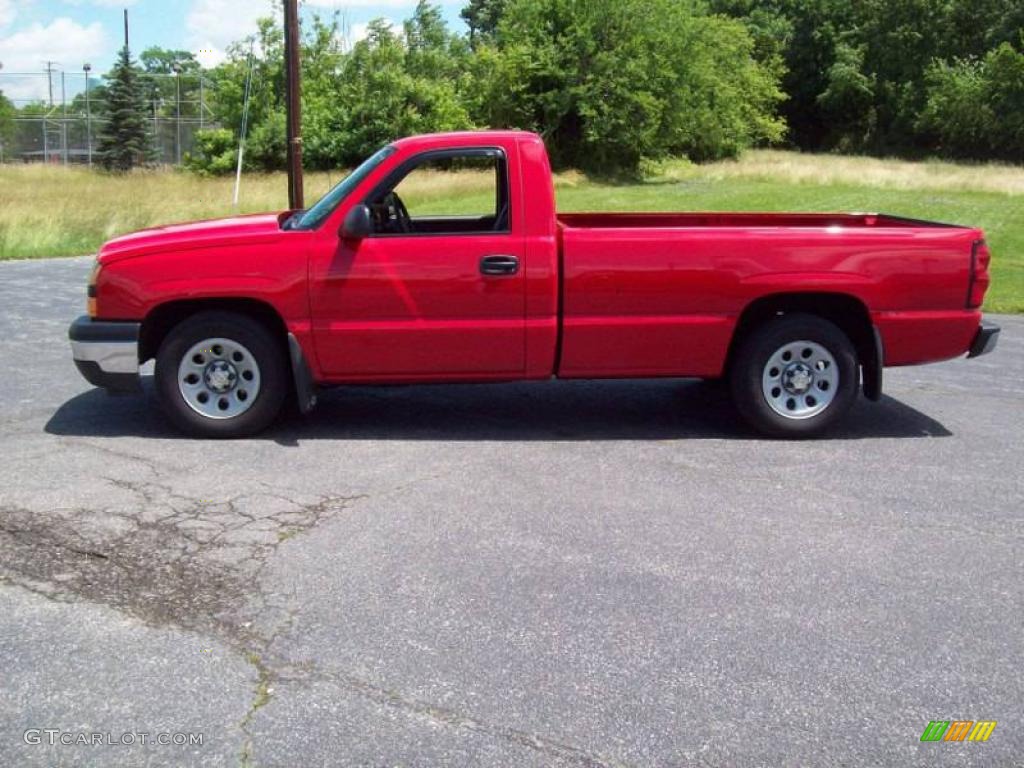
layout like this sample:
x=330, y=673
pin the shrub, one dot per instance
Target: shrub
x=215, y=152
x=975, y=108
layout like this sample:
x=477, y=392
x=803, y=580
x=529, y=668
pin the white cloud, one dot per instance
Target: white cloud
x=208, y=55
x=212, y=25
x=62, y=40
x=7, y=12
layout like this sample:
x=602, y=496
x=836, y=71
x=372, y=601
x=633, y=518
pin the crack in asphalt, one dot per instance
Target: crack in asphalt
x=147, y=462
x=448, y=717
x=177, y=560
x=261, y=697
x=180, y=560
x=171, y=558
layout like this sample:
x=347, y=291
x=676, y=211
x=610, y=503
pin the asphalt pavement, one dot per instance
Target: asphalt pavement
x=554, y=574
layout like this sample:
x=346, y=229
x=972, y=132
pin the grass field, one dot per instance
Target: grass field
x=57, y=212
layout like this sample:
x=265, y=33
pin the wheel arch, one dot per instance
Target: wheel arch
x=846, y=311
x=164, y=317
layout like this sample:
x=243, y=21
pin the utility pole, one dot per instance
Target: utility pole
x=293, y=95
x=125, y=27
x=49, y=78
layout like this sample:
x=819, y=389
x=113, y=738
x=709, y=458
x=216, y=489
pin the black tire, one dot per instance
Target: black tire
x=749, y=370
x=267, y=352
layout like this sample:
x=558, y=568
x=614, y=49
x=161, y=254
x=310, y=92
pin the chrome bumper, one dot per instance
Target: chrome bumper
x=106, y=353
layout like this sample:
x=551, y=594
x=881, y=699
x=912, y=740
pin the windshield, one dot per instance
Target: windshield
x=315, y=215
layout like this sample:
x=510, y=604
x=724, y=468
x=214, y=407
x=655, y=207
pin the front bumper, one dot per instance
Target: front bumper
x=106, y=353
x=985, y=340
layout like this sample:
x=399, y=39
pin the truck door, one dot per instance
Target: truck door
x=437, y=290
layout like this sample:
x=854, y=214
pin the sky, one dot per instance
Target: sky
x=72, y=32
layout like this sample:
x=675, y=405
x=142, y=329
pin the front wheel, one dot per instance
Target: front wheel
x=220, y=374
x=794, y=377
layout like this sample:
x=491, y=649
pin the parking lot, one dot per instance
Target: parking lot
x=577, y=574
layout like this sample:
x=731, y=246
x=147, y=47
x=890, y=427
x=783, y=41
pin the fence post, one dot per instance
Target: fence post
x=87, y=67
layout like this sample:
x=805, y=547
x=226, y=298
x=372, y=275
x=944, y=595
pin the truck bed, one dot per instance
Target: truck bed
x=666, y=290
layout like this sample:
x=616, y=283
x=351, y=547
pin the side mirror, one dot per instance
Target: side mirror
x=358, y=222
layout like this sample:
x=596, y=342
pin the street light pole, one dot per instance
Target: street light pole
x=293, y=95
x=87, y=68
x=177, y=112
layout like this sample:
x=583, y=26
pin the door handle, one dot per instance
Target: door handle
x=499, y=265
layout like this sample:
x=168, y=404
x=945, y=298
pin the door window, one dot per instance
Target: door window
x=452, y=192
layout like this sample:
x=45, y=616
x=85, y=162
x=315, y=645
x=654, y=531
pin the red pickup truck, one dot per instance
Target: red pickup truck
x=799, y=312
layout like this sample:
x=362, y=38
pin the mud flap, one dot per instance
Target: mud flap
x=305, y=388
x=872, y=369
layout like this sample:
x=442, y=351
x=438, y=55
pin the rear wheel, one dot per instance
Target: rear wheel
x=221, y=374
x=794, y=377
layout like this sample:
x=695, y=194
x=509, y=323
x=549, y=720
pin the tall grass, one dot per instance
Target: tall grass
x=791, y=167
x=52, y=211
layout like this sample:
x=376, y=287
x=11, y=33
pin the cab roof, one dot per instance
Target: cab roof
x=457, y=138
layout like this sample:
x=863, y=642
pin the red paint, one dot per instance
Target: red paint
x=640, y=294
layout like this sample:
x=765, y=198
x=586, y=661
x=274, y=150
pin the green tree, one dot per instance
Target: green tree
x=267, y=94
x=857, y=73
x=166, y=73
x=216, y=149
x=323, y=113
x=214, y=152
x=388, y=85
x=848, y=101
x=770, y=27
x=482, y=17
x=612, y=85
x=124, y=140
x=7, y=125
x=975, y=107
x=431, y=50
x=389, y=92
x=1005, y=70
x=163, y=61
x=957, y=113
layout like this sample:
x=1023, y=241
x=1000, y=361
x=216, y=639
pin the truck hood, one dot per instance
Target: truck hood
x=198, y=234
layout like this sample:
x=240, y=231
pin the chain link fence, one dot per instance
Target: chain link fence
x=59, y=117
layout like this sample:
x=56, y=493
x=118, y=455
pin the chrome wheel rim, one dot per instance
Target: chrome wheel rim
x=219, y=378
x=800, y=380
